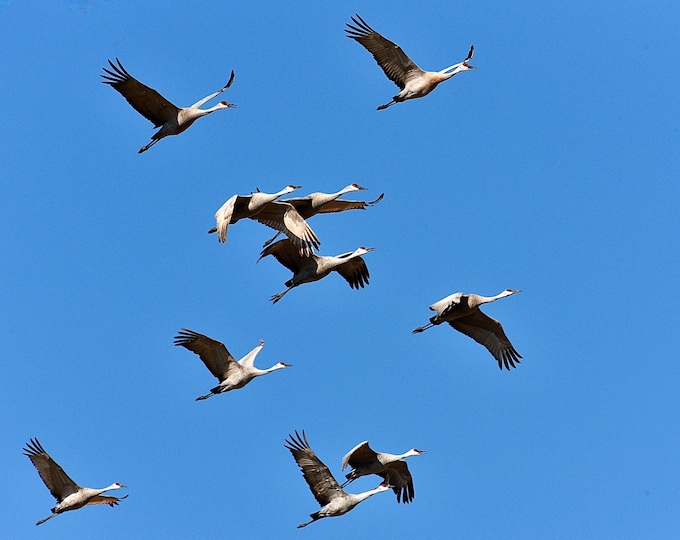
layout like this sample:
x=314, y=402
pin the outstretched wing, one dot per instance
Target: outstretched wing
x=340, y=205
x=398, y=67
x=398, y=477
x=488, y=332
x=321, y=482
x=214, y=354
x=145, y=100
x=355, y=272
x=106, y=499
x=57, y=481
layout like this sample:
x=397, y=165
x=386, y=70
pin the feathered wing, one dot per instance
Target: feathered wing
x=223, y=218
x=447, y=304
x=398, y=67
x=286, y=253
x=106, y=499
x=358, y=456
x=321, y=482
x=398, y=477
x=283, y=217
x=57, y=481
x=145, y=100
x=488, y=332
x=214, y=354
x=355, y=272
x=340, y=205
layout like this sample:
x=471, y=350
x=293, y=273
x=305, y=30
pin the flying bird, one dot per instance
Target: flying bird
x=309, y=268
x=392, y=467
x=259, y=206
x=462, y=312
x=399, y=68
x=325, y=203
x=69, y=495
x=325, y=488
x=232, y=374
x=171, y=120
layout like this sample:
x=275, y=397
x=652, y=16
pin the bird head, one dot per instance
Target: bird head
x=225, y=105
x=117, y=485
x=282, y=365
x=362, y=250
x=291, y=187
x=416, y=452
x=356, y=187
x=383, y=487
x=508, y=292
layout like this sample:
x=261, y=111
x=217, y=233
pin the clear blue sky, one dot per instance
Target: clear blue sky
x=552, y=168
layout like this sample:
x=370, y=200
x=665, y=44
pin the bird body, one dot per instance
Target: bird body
x=259, y=206
x=413, y=81
x=462, y=312
x=309, y=268
x=69, y=495
x=364, y=461
x=231, y=373
x=326, y=490
x=171, y=120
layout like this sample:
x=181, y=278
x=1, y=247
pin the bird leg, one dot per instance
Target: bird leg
x=275, y=298
x=199, y=398
x=271, y=239
x=348, y=481
x=386, y=105
x=422, y=328
x=145, y=148
x=44, y=520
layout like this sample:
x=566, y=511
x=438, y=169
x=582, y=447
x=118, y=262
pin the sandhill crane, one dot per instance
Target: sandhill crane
x=69, y=495
x=151, y=105
x=399, y=68
x=232, y=374
x=325, y=203
x=364, y=461
x=308, y=268
x=462, y=312
x=325, y=488
x=282, y=217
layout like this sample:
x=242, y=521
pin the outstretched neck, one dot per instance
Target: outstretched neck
x=487, y=299
x=366, y=494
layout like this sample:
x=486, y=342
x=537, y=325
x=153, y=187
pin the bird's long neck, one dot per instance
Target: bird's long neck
x=447, y=74
x=320, y=199
x=259, y=372
x=358, y=497
x=486, y=299
x=112, y=486
x=337, y=260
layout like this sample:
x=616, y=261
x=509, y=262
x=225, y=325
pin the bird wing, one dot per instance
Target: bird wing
x=321, y=482
x=145, y=100
x=355, y=272
x=106, y=499
x=361, y=454
x=488, y=332
x=57, y=481
x=214, y=354
x=249, y=359
x=283, y=217
x=286, y=253
x=223, y=217
x=398, y=67
x=398, y=477
x=340, y=205
x=303, y=205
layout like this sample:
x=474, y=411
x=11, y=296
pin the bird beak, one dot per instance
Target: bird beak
x=362, y=188
x=287, y=365
x=470, y=67
x=122, y=486
x=369, y=249
x=229, y=105
x=296, y=187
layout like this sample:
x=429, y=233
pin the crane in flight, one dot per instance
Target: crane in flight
x=325, y=488
x=231, y=373
x=171, y=119
x=462, y=312
x=309, y=268
x=399, y=68
x=392, y=467
x=69, y=495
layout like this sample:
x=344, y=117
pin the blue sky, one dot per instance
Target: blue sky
x=551, y=168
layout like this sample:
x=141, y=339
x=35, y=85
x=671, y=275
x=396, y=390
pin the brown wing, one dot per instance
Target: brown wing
x=488, y=332
x=398, y=67
x=355, y=272
x=397, y=475
x=321, y=482
x=283, y=217
x=106, y=499
x=145, y=100
x=359, y=456
x=214, y=354
x=286, y=253
x=57, y=481
x=340, y=205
